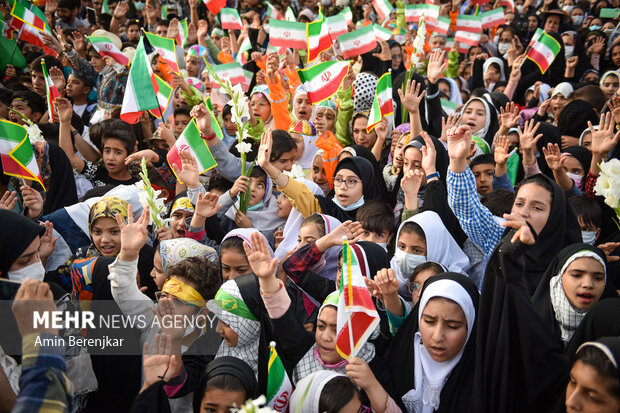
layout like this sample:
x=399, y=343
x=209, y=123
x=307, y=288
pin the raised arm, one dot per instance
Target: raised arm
x=65, y=112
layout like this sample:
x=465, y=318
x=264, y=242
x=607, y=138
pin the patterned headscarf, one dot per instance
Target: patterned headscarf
x=108, y=207
x=302, y=126
x=176, y=250
x=182, y=203
x=364, y=91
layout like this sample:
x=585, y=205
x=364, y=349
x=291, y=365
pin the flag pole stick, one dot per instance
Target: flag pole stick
x=15, y=45
x=346, y=245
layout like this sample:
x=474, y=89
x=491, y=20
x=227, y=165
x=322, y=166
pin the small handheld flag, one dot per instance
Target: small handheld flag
x=190, y=140
x=382, y=103
x=51, y=92
x=279, y=387
x=16, y=152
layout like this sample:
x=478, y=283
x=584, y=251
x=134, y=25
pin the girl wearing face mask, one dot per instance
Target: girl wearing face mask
x=423, y=238
x=575, y=280
x=20, y=250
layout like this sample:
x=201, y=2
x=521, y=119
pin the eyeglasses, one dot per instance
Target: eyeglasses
x=412, y=287
x=349, y=182
x=177, y=301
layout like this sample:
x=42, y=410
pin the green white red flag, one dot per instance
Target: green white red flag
x=322, y=80
x=164, y=96
x=183, y=33
x=105, y=47
x=382, y=103
x=357, y=42
x=279, y=386
x=381, y=33
x=543, y=50
x=272, y=12
x=493, y=18
x=232, y=71
x=105, y=8
x=51, y=92
x=141, y=89
x=287, y=34
x=508, y=3
x=317, y=37
x=357, y=315
x=35, y=18
x=27, y=19
x=467, y=23
x=337, y=25
x=230, y=19
x=166, y=49
x=469, y=38
x=348, y=14
x=245, y=47
x=16, y=152
x=7, y=30
x=383, y=9
x=215, y=6
x=190, y=140
x=413, y=12
x=290, y=15
x=440, y=25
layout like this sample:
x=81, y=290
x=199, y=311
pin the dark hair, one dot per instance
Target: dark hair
x=315, y=219
x=182, y=110
x=376, y=216
x=219, y=183
x=540, y=180
x=121, y=130
x=50, y=61
x=587, y=209
x=258, y=172
x=499, y=201
x=165, y=22
x=133, y=22
x=591, y=94
x=484, y=159
x=6, y=96
x=232, y=243
x=593, y=356
x=67, y=4
x=282, y=143
x=428, y=265
x=410, y=227
x=227, y=110
x=204, y=274
x=98, y=191
x=336, y=394
x=32, y=100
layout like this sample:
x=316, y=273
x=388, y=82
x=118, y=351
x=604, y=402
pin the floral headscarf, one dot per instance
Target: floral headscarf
x=108, y=207
x=176, y=250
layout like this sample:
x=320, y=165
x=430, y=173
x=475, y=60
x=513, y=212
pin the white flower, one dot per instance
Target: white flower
x=296, y=172
x=611, y=168
x=34, y=133
x=243, y=147
x=254, y=406
x=603, y=185
x=612, y=200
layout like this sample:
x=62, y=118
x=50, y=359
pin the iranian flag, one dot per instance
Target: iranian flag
x=247, y=80
x=141, y=89
x=7, y=30
x=317, y=36
x=469, y=38
x=383, y=8
x=413, y=12
x=191, y=141
x=105, y=8
x=16, y=152
x=164, y=94
x=448, y=106
x=357, y=42
x=357, y=314
x=337, y=25
x=215, y=6
x=381, y=33
x=382, y=103
x=289, y=15
x=245, y=47
x=471, y=24
x=493, y=18
x=322, y=80
x=34, y=18
x=272, y=12
x=348, y=15
x=51, y=91
x=543, y=49
x=287, y=34
x=279, y=387
x=440, y=25
x=230, y=19
x=166, y=49
x=183, y=33
x=105, y=47
x=232, y=71
x=508, y=3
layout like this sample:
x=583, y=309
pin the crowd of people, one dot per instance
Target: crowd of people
x=483, y=212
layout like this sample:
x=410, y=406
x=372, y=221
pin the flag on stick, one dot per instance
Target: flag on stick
x=322, y=80
x=383, y=8
x=317, y=35
x=279, y=387
x=357, y=314
x=357, y=42
x=287, y=34
x=16, y=152
x=166, y=49
x=230, y=19
x=467, y=23
x=382, y=105
x=105, y=47
x=191, y=141
x=543, y=50
x=215, y=6
x=164, y=94
x=51, y=92
x=337, y=25
x=141, y=89
x=493, y=18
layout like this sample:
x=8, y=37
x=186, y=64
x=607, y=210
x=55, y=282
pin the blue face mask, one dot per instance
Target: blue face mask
x=594, y=27
x=351, y=207
x=407, y=262
x=139, y=5
x=588, y=237
x=255, y=207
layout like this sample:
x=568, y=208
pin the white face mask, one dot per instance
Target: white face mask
x=578, y=20
x=519, y=8
x=496, y=39
x=568, y=8
x=139, y=5
x=34, y=271
x=569, y=51
x=407, y=262
x=502, y=48
x=588, y=237
x=382, y=244
x=266, y=28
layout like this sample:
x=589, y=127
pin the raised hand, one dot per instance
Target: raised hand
x=429, y=155
x=501, y=154
x=411, y=183
x=554, y=157
x=240, y=186
x=447, y=123
x=608, y=248
x=264, y=150
x=528, y=138
x=64, y=109
x=509, y=116
x=412, y=97
x=188, y=174
x=259, y=257
x=597, y=47
x=121, y=10
x=271, y=67
x=436, y=66
x=571, y=62
x=459, y=142
x=603, y=139
x=32, y=200
x=79, y=43
x=614, y=107
x=149, y=156
x=206, y=205
x=8, y=200
x=159, y=364
x=386, y=283
x=515, y=73
x=203, y=29
x=48, y=242
x=382, y=130
x=203, y=120
x=173, y=29
x=351, y=230
x=133, y=234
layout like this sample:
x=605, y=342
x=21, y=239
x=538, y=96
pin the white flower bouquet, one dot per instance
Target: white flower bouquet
x=608, y=184
x=149, y=196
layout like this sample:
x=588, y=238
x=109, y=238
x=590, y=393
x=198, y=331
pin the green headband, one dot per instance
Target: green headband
x=233, y=305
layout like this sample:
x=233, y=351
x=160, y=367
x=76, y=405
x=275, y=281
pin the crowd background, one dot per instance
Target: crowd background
x=483, y=212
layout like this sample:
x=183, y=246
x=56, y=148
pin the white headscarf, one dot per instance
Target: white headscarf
x=264, y=218
x=307, y=394
x=487, y=63
x=455, y=93
x=431, y=375
x=487, y=121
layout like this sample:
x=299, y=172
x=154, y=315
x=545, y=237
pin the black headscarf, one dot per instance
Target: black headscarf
x=364, y=152
x=583, y=155
x=442, y=160
x=602, y=320
x=519, y=363
x=457, y=391
x=562, y=229
x=18, y=233
x=542, y=298
x=574, y=118
x=550, y=134
x=401, y=68
x=365, y=171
